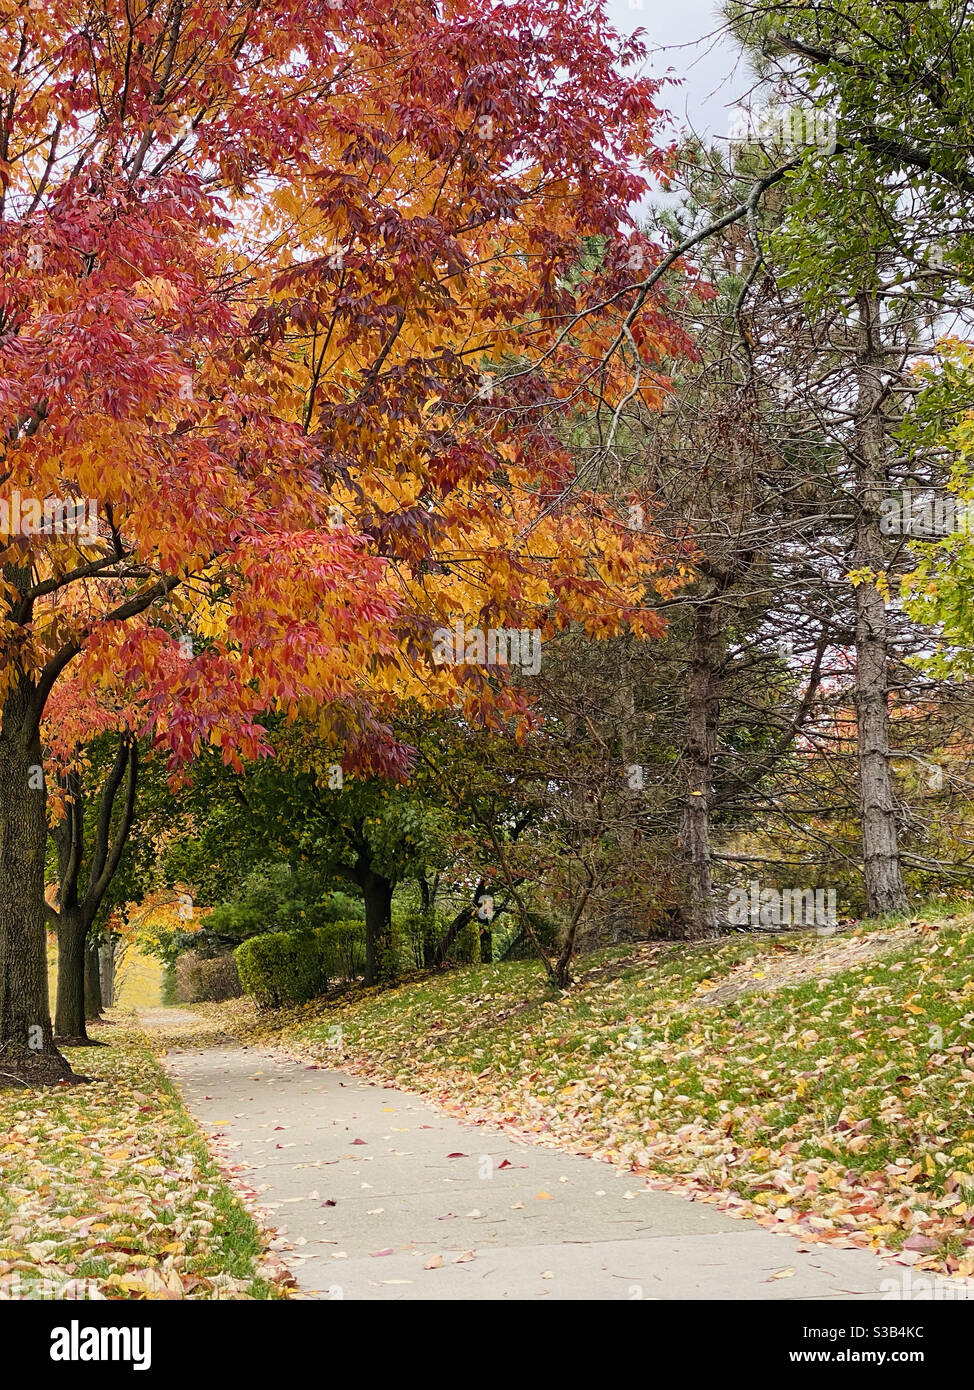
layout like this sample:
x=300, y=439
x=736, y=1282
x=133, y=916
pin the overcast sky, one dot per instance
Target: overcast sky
x=713, y=76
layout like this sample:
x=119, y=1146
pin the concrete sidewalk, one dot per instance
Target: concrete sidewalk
x=370, y=1184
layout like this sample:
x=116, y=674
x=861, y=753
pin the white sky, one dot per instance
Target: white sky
x=714, y=78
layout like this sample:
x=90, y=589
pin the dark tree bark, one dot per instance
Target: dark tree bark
x=72, y=938
x=28, y=1055
x=377, y=893
x=430, y=947
x=463, y=917
x=885, y=891
x=562, y=974
x=75, y=912
x=93, y=995
x=428, y=896
x=708, y=653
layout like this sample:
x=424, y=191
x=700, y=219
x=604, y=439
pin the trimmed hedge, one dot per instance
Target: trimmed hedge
x=282, y=967
x=291, y=967
x=343, y=948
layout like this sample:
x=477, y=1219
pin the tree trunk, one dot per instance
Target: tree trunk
x=464, y=916
x=562, y=972
x=28, y=1055
x=79, y=993
x=72, y=953
x=698, y=916
x=429, y=919
x=106, y=961
x=486, y=945
x=379, y=962
x=93, y=971
x=885, y=892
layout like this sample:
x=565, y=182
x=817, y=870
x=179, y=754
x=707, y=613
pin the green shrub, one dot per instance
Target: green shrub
x=276, y=898
x=169, y=985
x=291, y=967
x=465, y=949
x=415, y=935
x=342, y=907
x=279, y=968
x=343, y=948
x=515, y=944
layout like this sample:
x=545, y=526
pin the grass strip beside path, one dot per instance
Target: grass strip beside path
x=107, y=1191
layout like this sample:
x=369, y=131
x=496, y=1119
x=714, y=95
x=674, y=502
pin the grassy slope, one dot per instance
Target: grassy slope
x=834, y=1096
x=111, y=1183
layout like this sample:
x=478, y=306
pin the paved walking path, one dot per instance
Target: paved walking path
x=383, y=1197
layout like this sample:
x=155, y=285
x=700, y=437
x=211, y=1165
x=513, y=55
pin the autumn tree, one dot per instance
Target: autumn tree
x=291, y=328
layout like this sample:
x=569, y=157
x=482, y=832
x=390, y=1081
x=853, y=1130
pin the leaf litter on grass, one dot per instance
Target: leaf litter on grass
x=107, y=1191
x=822, y=1086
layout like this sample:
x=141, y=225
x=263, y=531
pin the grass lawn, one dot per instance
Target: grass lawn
x=823, y=1085
x=107, y=1190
